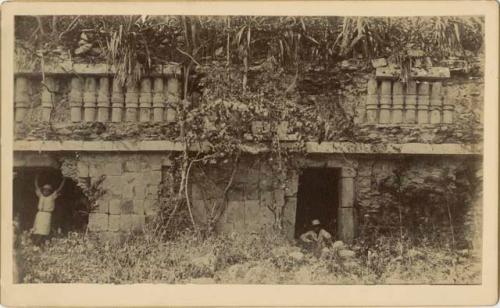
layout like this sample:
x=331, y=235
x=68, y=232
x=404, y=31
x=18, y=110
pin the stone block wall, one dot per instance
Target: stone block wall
x=130, y=186
x=256, y=192
x=253, y=194
x=132, y=182
x=372, y=202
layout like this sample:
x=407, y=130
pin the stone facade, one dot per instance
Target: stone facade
x=128, y=135
x=130, y=187
x=449, y=107
x=373, y=170
x=132, y=183
x=256, y=195
x=250, y=200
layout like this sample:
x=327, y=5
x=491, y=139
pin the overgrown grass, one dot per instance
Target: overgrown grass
x=236, y=259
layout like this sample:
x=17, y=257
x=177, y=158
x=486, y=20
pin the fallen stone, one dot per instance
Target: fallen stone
x=346, y=254
x=464, y=252
x=379, y=62
x=205, y=262
x=338, y=245
x=415, y=53
x=297, y=256
x=326, y=253
x=83, y=49
x=248, y=136
x=413, y=253
x=349, y=265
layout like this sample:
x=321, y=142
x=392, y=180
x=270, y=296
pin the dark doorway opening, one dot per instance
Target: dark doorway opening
x=70, y=212
x=317, y=198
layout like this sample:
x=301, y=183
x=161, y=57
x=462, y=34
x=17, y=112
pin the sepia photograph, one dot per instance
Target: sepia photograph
x=247, y=149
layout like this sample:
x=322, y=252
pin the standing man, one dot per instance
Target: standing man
x=46, y=204
x=317, y=238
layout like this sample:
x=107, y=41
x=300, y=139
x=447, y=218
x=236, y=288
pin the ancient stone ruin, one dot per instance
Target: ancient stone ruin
x=69, y=117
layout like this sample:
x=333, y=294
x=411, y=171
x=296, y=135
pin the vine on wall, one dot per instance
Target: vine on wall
x=239, y=71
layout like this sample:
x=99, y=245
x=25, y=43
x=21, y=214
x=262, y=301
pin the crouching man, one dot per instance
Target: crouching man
x=317, y=238
x=46, y=203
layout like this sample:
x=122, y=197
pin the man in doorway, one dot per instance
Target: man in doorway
x=46, y=203
x=317, y=238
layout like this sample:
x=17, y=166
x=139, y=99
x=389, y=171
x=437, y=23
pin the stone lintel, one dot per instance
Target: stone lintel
x=311, y=147
x=35, y=159
x=431, y=73
x=394, y=148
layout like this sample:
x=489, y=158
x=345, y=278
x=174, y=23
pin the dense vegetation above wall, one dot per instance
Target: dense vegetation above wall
x=308, y=71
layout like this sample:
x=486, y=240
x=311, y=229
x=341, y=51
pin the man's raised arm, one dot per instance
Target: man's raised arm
x=61, y=185
x=37, y=186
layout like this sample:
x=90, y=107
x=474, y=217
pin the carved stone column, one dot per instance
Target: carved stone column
x=173, y=98
x=397, y=102
x=145, y=100
x=345, y=222
x=76, y=99
x=436, y=103
x=423, y=103
x=21, y=98
x=90, y=99
x=48, y=97
x=131, y=102
x=103, y=102
x=158, y=99
x=448, y=109
x=117, y=101
x=372, y=102
x=411, y=103
x=385, y=102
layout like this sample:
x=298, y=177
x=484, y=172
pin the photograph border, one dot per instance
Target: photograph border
x=257, y=295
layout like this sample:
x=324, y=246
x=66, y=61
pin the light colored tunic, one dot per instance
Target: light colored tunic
x=320, y=238
x=46, y=205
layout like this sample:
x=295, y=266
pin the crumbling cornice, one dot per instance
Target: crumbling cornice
x=69, y=67
x=311, y=147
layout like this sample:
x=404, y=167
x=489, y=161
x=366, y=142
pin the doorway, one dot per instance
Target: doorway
x=70, y=209
x=317, y=198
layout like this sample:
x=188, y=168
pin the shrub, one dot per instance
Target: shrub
x=237, y=259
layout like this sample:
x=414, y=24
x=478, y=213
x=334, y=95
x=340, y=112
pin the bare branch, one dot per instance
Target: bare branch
x=188, y=55
x=70, y=27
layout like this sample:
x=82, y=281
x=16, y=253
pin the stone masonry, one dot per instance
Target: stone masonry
x=132, y=183
x=130, y=188
x=256, y=192
x=127, y=135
